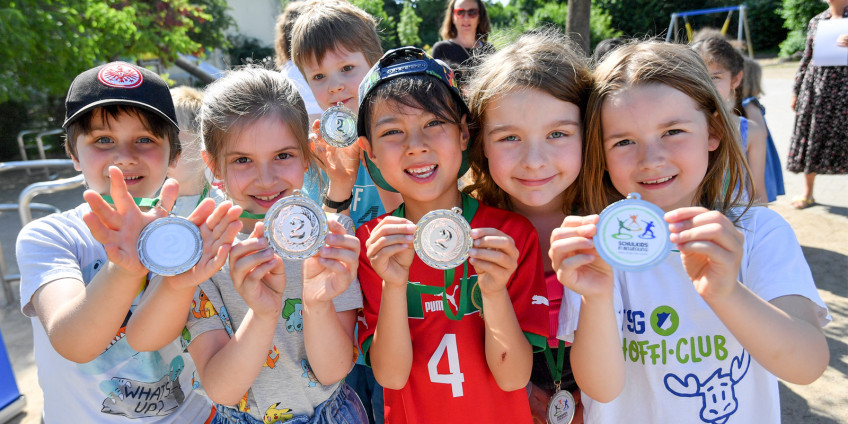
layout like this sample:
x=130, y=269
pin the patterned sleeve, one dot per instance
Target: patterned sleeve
x=372, y=291
x=527, y=288
x=807, y=57
x=205, y=312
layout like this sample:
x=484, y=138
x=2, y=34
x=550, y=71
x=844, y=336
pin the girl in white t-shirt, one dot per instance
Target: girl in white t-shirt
x=701, y=336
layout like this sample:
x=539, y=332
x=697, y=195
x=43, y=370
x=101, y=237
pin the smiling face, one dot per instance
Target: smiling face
x=336, y=78
x=418, y=153
x=262, y=164
x=656, y=143
x=533, y=141
x=125, y=142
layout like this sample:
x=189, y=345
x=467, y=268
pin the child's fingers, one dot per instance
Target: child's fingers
x=336, y=227
x=168, y=194
x=684, y=213
x=561, y=249
x=118, y=191
x=581, y=231
x=334, y=266
x=201, y=213
x=576, y=220
x=242, y=267
x=99, y=231
x=343, y=241
x=380, y=245
x=495, y=260
x=342, y=255
x=387, y=252
x=501, y=242
x=102, y=211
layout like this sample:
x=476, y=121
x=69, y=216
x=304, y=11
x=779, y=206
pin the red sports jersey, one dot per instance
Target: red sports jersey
x=450, y=380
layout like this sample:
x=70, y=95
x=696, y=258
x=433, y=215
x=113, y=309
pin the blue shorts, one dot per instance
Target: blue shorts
x=343, y=407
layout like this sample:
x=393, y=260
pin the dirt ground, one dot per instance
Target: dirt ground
x=822, y=231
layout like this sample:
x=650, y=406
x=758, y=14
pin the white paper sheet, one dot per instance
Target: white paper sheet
x=825, y=50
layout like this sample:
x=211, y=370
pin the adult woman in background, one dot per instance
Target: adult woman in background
x=820, y=140
x=465, y=30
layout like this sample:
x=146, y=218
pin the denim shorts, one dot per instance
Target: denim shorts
x=343, y=407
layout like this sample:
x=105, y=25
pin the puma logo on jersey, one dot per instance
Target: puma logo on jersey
x=439, y=305
x=539, y=300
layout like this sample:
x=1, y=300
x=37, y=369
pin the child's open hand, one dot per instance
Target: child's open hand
x=389, y=248
x=329, y=273
x=218, y=227
x=573, y=256
x=118, y=228
x=710, y=247
x=340, y=164
x=494, y=257
x=259, y=275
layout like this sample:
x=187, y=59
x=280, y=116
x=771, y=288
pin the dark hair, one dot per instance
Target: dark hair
x=283, y=31
x=604, y=47
x=484, y=27
x=151, y=121
x=326, y=25
x=719, y=51
x=417, y=91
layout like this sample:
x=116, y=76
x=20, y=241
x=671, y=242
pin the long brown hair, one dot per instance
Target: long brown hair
x=484, y=27
x=679, y=67
x=544, y=60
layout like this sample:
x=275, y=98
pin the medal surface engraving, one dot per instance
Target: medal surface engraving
x=561, y=408
x=338, y=126
x=296, y=227
x=632, y=234
x=170, y=246
x=443, y=238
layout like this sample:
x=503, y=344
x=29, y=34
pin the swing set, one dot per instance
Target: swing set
x=743, y=28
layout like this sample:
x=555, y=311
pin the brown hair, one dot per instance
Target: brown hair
x=751, y=84
x=151, y=121
x=283, y=31
x=679, y=67
x=245, y=96
x=326, y=25
x=544, y=60
x=484, y=27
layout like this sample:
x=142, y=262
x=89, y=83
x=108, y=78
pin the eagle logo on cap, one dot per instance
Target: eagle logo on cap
x=120, y=75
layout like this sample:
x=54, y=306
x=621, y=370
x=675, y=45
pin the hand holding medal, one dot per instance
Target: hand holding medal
x=632, y=234
x=259, y=276
x=295, y=227
x=338, y=126
x=330, y=272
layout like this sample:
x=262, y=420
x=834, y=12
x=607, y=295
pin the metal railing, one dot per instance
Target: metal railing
x=25, y=206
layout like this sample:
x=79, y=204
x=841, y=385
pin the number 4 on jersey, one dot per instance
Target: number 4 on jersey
x=454, y=377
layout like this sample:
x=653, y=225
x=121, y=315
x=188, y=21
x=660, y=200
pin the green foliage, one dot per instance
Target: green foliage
x=431, y=12
x=386, y=25
x=513, y=18
x=247, y=50
x=797, y=15
x=407, y=28
x=44, y=44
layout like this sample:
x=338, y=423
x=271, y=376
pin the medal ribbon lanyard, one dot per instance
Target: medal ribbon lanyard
x=469, y=208
x=556, y=369
x=143, y=202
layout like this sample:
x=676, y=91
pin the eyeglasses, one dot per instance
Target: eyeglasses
x=472, y=13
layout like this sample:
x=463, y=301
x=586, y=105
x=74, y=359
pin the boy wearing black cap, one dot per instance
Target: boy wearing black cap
x=455, y=343
x=80, y=288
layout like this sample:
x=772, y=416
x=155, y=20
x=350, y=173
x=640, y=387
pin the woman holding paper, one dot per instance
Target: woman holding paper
x=820, y=140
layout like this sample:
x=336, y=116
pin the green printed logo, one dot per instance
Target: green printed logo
x=664, y=320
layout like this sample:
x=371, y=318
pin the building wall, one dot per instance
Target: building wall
x=256, y=18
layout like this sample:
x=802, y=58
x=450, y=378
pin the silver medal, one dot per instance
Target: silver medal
x=296, y=227
x=443, y=238
x=170, y=246
x=338, y=126
x=632, y=234
x=561, y=408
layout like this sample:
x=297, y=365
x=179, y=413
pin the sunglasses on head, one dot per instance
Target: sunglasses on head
x=472, y=13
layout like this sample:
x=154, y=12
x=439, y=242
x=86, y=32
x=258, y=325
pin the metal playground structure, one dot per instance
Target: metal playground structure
x=742, y=30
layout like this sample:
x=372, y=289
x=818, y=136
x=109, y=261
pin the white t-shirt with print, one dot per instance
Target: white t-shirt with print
x=121, y=385
x=682, y=364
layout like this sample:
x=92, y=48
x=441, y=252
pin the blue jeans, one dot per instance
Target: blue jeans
x=343, y=407
x=361, y=379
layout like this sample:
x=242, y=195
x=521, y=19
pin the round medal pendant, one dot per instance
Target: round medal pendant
x=338, y=126
x=296, y=227
x=632, y=234
x=443, y=238
x=561, y=408
x=170, y=246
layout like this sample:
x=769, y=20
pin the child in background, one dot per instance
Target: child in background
x=81, y=285
x=440, y=350
x=272, y=338
x=334, y=43
x=189, y=170
x=282, y=48
x=527, y=101
x=749, y=106
x=701, y=336
x=726, y=68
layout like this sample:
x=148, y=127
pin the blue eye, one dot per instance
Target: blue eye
x=318, y=77
x=435, y=123
x=510, y=138
x=103, y=140
x=674, y=132
x=145, y=140
x=623, y=143
x=557, y=134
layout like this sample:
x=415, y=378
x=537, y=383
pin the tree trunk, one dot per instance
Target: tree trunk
x=577, y=24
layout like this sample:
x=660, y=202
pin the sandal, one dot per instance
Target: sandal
x=801, y=202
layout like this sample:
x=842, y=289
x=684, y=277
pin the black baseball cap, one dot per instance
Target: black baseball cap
x=119, y=83
x=406, y=61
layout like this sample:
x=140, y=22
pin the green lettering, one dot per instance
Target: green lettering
x=720, y=350
x=663, y=350
x=654, y=354
x=624, y=347
x=679, y=350
x=642, y=351
x=705, y=353
x=695, y=357
x=634, y=351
